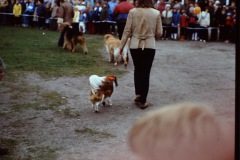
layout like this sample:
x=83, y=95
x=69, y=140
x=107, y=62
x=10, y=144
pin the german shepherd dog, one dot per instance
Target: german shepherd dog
x=72, y=37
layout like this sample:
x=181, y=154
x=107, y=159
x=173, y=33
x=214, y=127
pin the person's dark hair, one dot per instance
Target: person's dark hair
x=145, y=4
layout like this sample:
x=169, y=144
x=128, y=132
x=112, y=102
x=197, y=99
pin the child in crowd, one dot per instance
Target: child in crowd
x=97, y=13
x=233, y=28
x=111, y=5
x=82, y=16
x=103, y=18
x=228, y=26
x=53, y=19
x=166, y=22
x=75, y=22
x=175, y=23
x=47, y=15
x=183, y=24
x=35, y=17
x=41, y=10
x=30, y=6
x=192, y=24
x=17, y=10
x=222, y=26
x=204, y=23
x=90, y=19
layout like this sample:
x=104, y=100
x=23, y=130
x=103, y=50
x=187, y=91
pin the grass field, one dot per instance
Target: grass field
x=31, y=50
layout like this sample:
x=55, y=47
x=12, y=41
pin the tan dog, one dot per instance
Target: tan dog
x=101, y=88
x=112, y=46
x=72, y=37
x=182, y=132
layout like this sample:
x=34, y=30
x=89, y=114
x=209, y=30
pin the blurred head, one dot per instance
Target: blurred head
x=145, y=3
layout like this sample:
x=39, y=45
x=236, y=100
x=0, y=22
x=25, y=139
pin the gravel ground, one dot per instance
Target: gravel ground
x=182, y=72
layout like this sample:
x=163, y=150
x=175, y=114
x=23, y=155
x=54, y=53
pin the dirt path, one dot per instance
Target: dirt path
x=182, y=71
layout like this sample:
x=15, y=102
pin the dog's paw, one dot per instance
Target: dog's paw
x=115, y=63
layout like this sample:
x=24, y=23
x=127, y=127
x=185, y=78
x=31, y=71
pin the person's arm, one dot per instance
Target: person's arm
x=159, y=29
x=127, y=31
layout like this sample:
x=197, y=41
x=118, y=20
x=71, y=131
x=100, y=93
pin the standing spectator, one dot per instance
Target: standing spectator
x=232, y=6
x=47, y=15
x=185, y=6
x=53, y=20
x=90, y=19
x=183, y=24
x=233, y=29
x=214, y=29
x=222, y=26
x=211, y=11
x=177, y=5
x=197, y=11
x=192, y=24
x=82, y=15
x=97, y=13
x=3, y=9
x=143, y=25
x=121, y=12
x=228, y=26
x=17, y=10
x=166, y=22
x=10, y=17
x=204, y=23
x=41, y=11
x=175, y=23
x=65, y=14
x=30, y=7
x=111, y=5
x=35, y=17
x=104, y=18
x=75, y=22
x=161, y=6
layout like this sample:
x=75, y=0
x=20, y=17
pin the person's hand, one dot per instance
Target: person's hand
x=121, y=51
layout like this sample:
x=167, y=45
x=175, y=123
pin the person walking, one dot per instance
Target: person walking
x=143, y=26
x=121, y=12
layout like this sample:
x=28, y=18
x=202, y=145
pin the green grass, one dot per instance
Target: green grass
x=28, y=50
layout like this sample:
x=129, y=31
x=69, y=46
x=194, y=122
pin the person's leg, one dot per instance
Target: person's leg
x=120, y=28
x=61, y=40
x=142, y=72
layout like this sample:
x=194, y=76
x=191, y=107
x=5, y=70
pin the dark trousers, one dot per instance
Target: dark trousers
x=166, y=31
x=203, y=33
x=120, y=28
x=61, y=40
x=142, y=60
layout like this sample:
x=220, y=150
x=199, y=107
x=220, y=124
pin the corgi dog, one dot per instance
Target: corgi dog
x=112, y=45
x=102, y=88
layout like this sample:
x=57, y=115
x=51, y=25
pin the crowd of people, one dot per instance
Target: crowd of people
x=205, y=20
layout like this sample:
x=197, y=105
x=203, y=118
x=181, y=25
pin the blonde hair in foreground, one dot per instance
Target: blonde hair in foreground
x=182, y=132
